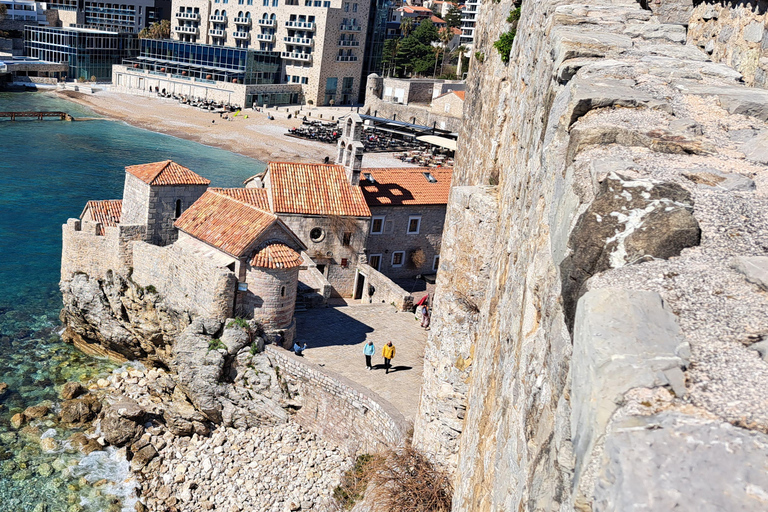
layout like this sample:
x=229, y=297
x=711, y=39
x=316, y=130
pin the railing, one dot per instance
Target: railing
x=188, y=15
x=186, y=30
x=351, y=28
x=307, y=57
x=266, y=23
x=218, y=18
x=301, y=24
x=39, y=115
x=265, y=37
x=349, y=43
x=346, y=58
x=241, y=35
x=216, y=32
x=242, y=20
x=305, y=41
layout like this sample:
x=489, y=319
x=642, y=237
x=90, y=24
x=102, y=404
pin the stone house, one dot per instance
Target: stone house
x=209, y=252
x=449, y=104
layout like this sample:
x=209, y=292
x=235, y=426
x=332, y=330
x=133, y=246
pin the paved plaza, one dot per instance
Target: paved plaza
x=335, y=337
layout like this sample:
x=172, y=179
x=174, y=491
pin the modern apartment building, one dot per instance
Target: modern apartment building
x=128, y=16
x=321, y=43
x=25, y=11
x=468, y=20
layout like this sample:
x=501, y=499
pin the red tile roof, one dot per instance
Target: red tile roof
x=254, y=196
x=415, y=8
x=436, y=20
x=460, y=94
x=167, y=172
x=314, y=189
x=106, y=212
x=224, y=222
x=406, y=186
x=276, y=255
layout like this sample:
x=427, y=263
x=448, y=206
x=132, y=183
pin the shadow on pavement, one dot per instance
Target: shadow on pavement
x=325, y=327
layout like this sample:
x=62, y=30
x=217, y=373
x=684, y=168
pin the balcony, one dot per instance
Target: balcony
x=241, y=35
x=218, y=18
x=242, y=20
x=304, y=57
x=351, y=28
x=349, y=43
x=269, y=38
x=194, y=16
x=216, y=32
x=346, y=58
x=266, y=23
x=307, y=25
x=186, y=30
x=303, y=41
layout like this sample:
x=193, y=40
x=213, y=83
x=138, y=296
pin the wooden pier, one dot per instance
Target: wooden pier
x=36, y=115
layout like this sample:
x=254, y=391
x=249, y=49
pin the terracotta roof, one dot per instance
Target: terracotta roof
x=253, y=196
x=460, y=94
x=224, y=222
x=106, y=212
x=276, y=255
x=415, y=8
x=406, y=186
x=436, y=20
x=456, y=31
x=314, y=189
x=166, y=172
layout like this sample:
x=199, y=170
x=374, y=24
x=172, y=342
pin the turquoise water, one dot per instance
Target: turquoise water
x=48, y=170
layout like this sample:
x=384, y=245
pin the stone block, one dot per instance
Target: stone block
x=753, y=33
x=671, y=461
x=756, y=150
x=622, y=339
x=754, y=268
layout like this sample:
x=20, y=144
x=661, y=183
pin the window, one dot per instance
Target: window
x=377, y=225
x=397, y=258
x=375, y=261
x=327, y=3
x=436, y=263
x=317, y=235
x=282, y=291
x=265, y=3
x=274, y=3
x=414, y=223
x=447, y=107
x=346, y=239
x=344, y=262
x=346, y=6
x=178, y=208
x=304, y=80
x=354, y=7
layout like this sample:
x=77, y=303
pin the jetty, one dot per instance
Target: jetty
x=36, y=115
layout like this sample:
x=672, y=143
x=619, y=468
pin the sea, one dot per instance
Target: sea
x=48, y=171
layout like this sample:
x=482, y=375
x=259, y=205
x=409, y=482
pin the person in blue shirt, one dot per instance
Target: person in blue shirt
x=298, y=349
x=368, y=350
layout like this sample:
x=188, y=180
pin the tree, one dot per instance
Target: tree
x=446, y=36
x=416, y=52
x=453, y=17
x=406, y=25
x=161, y=30
x=389, y=56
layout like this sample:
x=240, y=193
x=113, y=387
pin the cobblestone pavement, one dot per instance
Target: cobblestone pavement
x=335, y=337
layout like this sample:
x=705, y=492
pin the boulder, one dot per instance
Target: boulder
x=84, y=443
x=756, y=149
x=754, y=268
x=17, y=420
x=630, y=221
x=182, y=419
x=716, y=180
x=36, y=411
x=3, y=389
x=235, y=338
x=122, y=422
x=80, y=410
x=72, y=390
x=143, y=452
x=199, y=370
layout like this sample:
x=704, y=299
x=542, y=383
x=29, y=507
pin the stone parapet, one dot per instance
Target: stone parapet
x=338, y=409
x=378, y=288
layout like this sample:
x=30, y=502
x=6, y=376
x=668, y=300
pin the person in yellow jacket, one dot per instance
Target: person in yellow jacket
x=388, y=352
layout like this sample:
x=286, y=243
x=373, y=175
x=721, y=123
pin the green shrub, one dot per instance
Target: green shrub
x=353, y=482
x=254, y=349
x=239, y=322
x=479, y=56
x=215, y=344
x=504, y=44
x=150, y=289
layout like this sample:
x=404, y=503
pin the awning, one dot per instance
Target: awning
x=449, y=144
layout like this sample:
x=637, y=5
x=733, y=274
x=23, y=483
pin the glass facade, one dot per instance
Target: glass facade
x=377, y=31
x=208, y=62
x=89, y=53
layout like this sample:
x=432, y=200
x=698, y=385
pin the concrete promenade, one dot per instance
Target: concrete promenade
x=335, y=337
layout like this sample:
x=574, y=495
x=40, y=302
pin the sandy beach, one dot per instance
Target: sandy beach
x=255, y=137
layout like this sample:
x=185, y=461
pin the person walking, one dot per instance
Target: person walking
x=425, y=316
x=388, y=352
x=369, y=350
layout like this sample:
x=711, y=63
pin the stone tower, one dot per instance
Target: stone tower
x=156, y=194
x=350, y=149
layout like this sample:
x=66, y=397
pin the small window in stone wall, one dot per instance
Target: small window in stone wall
x=377, y=225
x=282, y=291
x=347, y=239
x=178, y=208
x=317, y=235
x=397, y=258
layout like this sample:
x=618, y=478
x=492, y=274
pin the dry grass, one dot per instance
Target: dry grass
x=401, y=480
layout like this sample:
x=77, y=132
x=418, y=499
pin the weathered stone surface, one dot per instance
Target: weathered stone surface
x=182, y=418
x=754, y=268
x=142, y=453
x=671, y=461
x=622, y=339
x=750, y=102
x=17, y=420
x=235, y=338
x=714, y=179
x=630, y=221
x=756, y=149
x=3, y=390
x=122, y=422
x=36, y=411
x=80, y=410
x=672, y=11
x=199, y=370
x=84, y=443
x=72, y=390
x=673, y=33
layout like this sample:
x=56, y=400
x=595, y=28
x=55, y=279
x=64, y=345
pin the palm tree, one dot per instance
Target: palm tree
x=460, y=51
x=446, y=36
x=406, y=25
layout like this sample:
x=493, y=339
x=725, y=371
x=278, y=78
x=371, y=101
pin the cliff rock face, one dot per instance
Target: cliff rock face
x=586, y=301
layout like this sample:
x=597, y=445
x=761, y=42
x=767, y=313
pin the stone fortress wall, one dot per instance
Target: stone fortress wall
x=85, y=251
x=339, y=409
x=599, y=310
